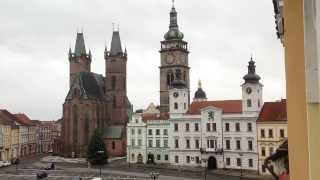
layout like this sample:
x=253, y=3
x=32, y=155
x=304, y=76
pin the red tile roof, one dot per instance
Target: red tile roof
x=161, y=116
x=7, y=116
x=273, y=111
x=23, y=119
x=228, y=106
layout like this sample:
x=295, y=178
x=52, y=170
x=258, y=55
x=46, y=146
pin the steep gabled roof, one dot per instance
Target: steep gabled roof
x=228, y=106
x=87, y=86
x=23, y=119
x=115, y=44
x=80, y=47
x=273, y=111
x=7, y=118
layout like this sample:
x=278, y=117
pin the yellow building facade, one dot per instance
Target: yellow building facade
x=272, y=130
x=301, y=40
x=5, y=151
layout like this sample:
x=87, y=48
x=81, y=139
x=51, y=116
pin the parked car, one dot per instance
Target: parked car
x=42, y=175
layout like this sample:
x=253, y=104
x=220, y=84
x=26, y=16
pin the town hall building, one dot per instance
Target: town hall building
x=204, y=133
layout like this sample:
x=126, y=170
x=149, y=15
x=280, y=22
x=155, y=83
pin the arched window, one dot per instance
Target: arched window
x=184, y=75
x=113, y=82
x=170, y=77
x=113, y=145
x=86, y=129
x=175, y=105
x=75, y=124
x=114, y=101
x=132, y=157
x=249, y=103
x=258, y=102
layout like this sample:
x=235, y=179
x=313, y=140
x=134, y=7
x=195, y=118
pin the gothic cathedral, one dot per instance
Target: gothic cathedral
x=94, y=101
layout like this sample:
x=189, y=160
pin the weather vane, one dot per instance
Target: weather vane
x=172, y=3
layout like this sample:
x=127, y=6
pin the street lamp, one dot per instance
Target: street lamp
x=100, y=152
x=240, y=154
x=202, y=151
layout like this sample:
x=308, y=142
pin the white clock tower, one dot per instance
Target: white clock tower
x=252, y=90
x=178, y=98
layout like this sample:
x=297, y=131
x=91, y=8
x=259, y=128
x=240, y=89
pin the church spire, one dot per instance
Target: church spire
x=251, y=77
x=80, y=47
x=115, y=43
x=173, y=33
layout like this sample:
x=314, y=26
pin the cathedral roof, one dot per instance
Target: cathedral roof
x=87, y=86
x=228, y=106
x=80, y=47
x=273, y=111
x=115, y=44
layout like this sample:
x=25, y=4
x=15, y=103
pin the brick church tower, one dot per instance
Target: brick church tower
x=79, y=60
x=174, y=61
x=116, y=81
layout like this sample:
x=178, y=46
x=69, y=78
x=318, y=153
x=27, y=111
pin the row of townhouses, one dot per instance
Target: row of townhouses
x=228, y=134
x=20, y=136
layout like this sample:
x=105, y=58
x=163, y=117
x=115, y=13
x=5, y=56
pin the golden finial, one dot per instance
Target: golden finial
x=199, y=84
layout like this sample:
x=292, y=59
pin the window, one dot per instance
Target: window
x=270, y=133
x=139, y=131
x=211, y=143
x=139, y=142
x=250, y=162
x=271, y=151
x=113, y=82
x=258, y=102
x=196, y=127
x=158, y=143
x=165, y=132
x=197, y=143
x=188, y=144
x=166, y=157
x=132, y=131
x=185, y=105
x=150, y=132
x=114, y=101
x=262, y=133
x=263, y=168
x=158, y=132
x=197, y=160
x=250, y=146
x=175, y=105
x=227, y=127
x=238, y=145
x=228, y=144
x=281, y=133
x=238, y=162
x=176, y=159
x=214, y=127
x=158, y=157
x=249, y=103
x=249, y=127
x=133, y=142
x=228, y=161
x=132, y=157
x=237, y=127
x=150, y=143
x=208, y=127
x=263, y=151
x=165, y=143
x=113, y=145
x=176, y=127
x=187, y=127
x=188, y=159
x=176, y=143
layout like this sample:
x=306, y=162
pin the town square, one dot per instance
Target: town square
x=172, y=90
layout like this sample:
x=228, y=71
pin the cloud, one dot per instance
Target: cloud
x=35, y=37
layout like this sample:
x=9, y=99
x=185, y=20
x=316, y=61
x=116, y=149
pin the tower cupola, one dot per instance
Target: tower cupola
x=173, y=33
x=200, y=95
x=251, y=77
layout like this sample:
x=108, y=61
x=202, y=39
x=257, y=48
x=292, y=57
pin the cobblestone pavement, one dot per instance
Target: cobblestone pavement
x=114, y=171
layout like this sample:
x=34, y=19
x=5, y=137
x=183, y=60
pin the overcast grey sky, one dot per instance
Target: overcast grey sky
x=35, y=36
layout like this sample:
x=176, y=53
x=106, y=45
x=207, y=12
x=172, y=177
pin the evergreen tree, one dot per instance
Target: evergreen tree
x=97, y=153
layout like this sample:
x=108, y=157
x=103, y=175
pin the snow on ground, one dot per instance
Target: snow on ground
x=58, y=159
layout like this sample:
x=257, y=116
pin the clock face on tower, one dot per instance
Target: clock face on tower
x=248, y=90
x=170, y=58
x=175, y=94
